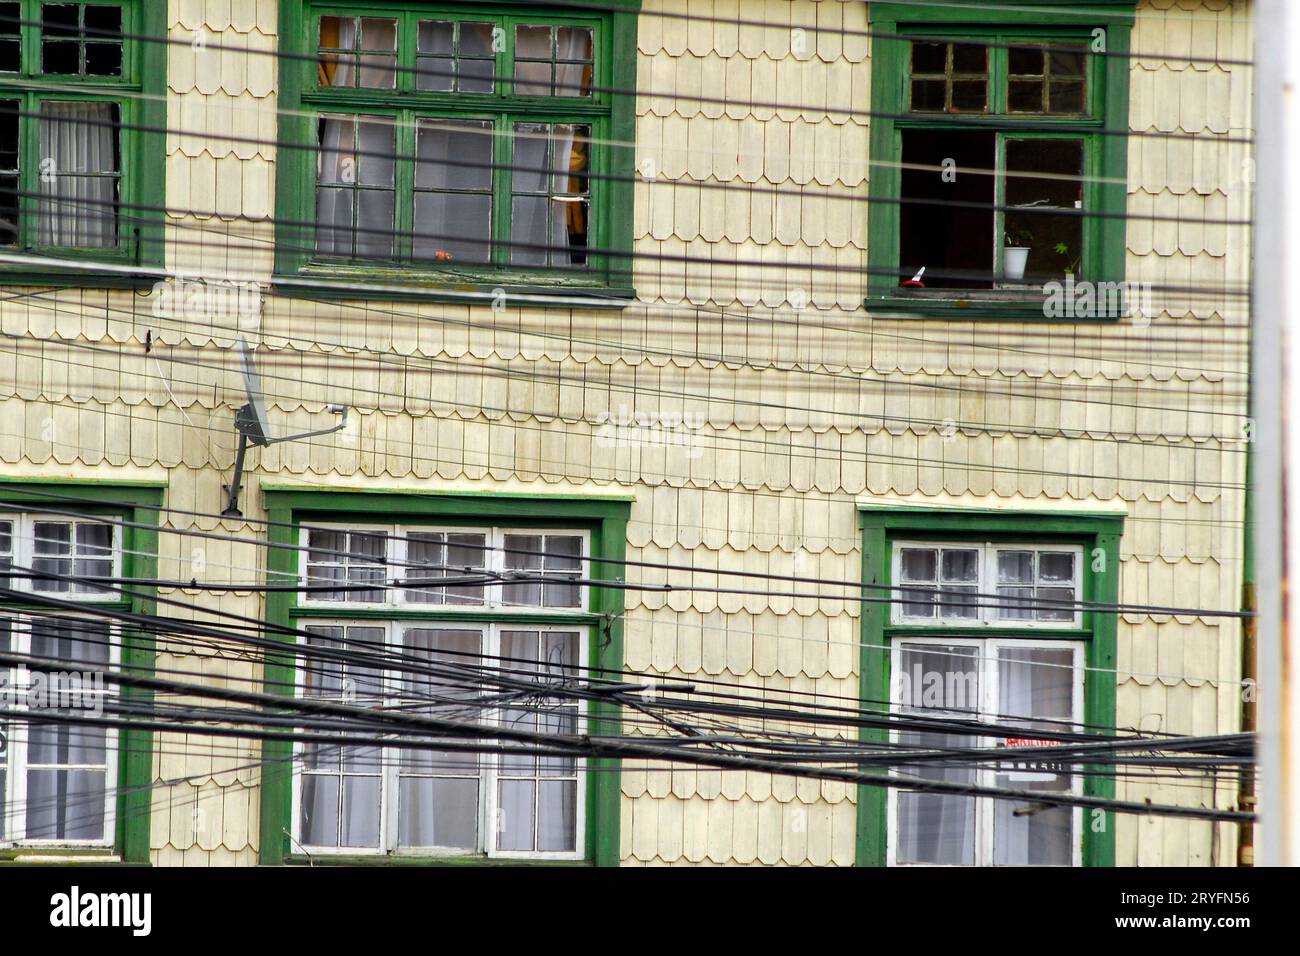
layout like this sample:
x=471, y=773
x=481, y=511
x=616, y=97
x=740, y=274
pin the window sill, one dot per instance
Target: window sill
x=89, y=278
x=1028, y=304
x=61, y=856
x=318, y=282
x=299, y=859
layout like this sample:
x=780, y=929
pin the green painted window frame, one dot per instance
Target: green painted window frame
x=137, y=506
x=1098, y=534
x=606, y=521
x=141, y=97
x=1104, y=237
x=611, y=110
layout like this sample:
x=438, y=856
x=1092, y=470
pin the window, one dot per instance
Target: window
x=459, y=142
x=1016, y=684
x=56, y=776
x=77, y=118
x=58, y=555
x=991, y=623
x=411, y=588
x=63, y=783
x=997, y=154
x=1034, y=585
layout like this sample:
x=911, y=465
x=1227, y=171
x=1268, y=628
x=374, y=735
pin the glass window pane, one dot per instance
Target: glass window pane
x=929, y=57
x=1045, y=175
x=969, y=58
x=79, y=181
x=918, y=564
x=1056, y=613
x=1056, y=566
x=103, y=59
x=59, y=19
x=1025, y=61
x=1065, y=96
x=918, y=602
x=959, y=601
x=1025, y=96
x=65, y=804
x=1015, y=567
x=360, y=812
x=533, y=60
x=557, y=810
x=928, y=95
x=466, y=553
x=969, y=96
x=378, y=61
x=961, y=565
x=103, y=19
x=936, y=828
x=318, y=817
x=1017, y=604
x=438, y=812
x=515, y=808
x=1035, y=682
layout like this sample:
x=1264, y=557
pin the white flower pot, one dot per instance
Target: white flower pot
x=1013, y=262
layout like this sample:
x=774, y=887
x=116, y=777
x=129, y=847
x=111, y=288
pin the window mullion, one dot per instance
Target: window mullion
x=990, y=705
x=488, y=762
x=999, y=57
x=404, y=185
x=29, y=161
x=502, y=184
x=390, y=757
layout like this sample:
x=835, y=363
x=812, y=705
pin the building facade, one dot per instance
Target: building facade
x=618, y=291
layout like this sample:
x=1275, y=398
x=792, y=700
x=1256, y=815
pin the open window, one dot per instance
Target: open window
x=76, y=119
x=998, y=156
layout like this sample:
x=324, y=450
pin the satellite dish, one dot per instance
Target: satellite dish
x=254, y=427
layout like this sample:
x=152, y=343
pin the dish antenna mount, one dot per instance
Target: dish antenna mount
x=255, y=428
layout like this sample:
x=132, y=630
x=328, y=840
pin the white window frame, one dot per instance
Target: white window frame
x=395, y=597
x=987, y=584
x=489, y=763
x=986, y=649
x=16, y=762
x=23, y=554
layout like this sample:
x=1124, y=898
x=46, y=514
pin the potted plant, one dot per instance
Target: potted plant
x=1015, y=253
x=1072, y=268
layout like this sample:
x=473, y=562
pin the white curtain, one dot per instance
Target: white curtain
x=1034, y=683
x=354, y=152
x=438, y=790
x=67, y=764
x=78, y=181
x=571, y=43
x=458, y=223
x=543, y=158
x=938, y=828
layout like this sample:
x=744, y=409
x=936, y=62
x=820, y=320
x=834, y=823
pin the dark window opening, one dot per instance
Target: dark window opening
x=953, y=241
x=1045, y=175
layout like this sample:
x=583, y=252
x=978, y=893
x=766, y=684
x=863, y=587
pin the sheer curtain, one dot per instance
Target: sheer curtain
x=79, y=175
x=572, y=79
x=1034, y=683
x=438, y=791
x=937, y=828
x=549, y=213
x=67, y=765
x=355, y=153
x=453, y=203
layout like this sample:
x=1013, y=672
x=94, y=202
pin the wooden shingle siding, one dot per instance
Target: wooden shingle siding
x=803, y=412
